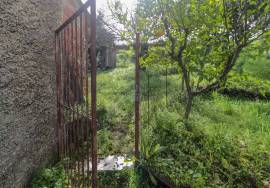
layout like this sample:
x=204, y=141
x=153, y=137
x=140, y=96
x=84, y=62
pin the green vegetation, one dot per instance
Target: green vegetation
x=205, y=82
x=51, y=177
x=115, y=109
x=55, y=177
x=204, y=39
x=124, y=178
x=227, y=146
x=250, y=79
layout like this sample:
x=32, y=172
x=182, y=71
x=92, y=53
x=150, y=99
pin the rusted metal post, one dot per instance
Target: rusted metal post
x=59, y=93
x=56, y=50
x=61, y=121
x=93, y=92
x=137, y=96
x=148, y=97
x=88, y=123
x=166, y=86
x=81, y=83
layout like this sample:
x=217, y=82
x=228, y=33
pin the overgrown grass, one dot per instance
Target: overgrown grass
x=115, y=109
x=230, y=145
x=55, y=177
x=248, y=121
x=258, y=67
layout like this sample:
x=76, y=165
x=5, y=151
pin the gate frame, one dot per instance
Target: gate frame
x=92, y=60
x=92, y=53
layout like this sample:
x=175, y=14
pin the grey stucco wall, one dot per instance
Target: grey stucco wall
x=27, y=88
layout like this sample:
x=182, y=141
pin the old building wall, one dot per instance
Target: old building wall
x=112, y=56
x=28, y=134
x=27, y=88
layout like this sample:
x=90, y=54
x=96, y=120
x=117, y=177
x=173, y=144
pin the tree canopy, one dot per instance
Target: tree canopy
x=203, y=37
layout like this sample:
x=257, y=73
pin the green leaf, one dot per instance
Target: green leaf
x=153, y=179
x=225, y=163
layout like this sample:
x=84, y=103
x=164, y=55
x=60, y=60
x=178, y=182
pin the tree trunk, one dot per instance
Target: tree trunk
x=188, y=111
x=188, y=106
x=183, y=84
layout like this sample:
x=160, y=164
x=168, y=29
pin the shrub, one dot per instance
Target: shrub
x=52, y=177
x=247, y=87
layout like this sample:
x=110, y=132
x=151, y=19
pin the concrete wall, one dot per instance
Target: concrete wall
x=27, y=88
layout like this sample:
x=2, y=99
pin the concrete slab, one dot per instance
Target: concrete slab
x=114, y=163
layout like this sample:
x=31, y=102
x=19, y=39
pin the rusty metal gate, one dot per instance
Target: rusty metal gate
x=75, y=56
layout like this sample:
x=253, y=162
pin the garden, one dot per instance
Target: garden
x=205, y=90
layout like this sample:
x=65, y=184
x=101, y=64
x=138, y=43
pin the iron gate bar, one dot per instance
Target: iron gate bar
x=81, y=82
x=93, y=93
x=166, y=86
x=72, y=56
x=76, y=93
x=72, y=101
x=67, y=137
x=148, y=97
x=83, y=8
x=137, y=96
x=57, y=90
x=69, y=112
x=61, y=101
x=87, y=95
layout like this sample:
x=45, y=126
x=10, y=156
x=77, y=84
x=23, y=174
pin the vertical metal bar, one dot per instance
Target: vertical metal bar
x=72, y=76
x=62, y=91
x=58, y=56
x=61, y=97
x=81, y=83
x=93, y=93
x=57, y=87
x=58, y=91
x=65, y=92
x=68, y=113
x=166, y=86
x=88, y=123
x=137, y=97
x=148, y=97
x=76, y=102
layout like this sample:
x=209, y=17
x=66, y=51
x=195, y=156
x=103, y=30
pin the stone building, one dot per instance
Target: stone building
x=28, y=85
x=106, y=49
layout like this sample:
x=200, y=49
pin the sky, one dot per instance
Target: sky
x=102, y=5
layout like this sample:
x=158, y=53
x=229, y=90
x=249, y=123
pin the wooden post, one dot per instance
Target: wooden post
x=137, y=96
